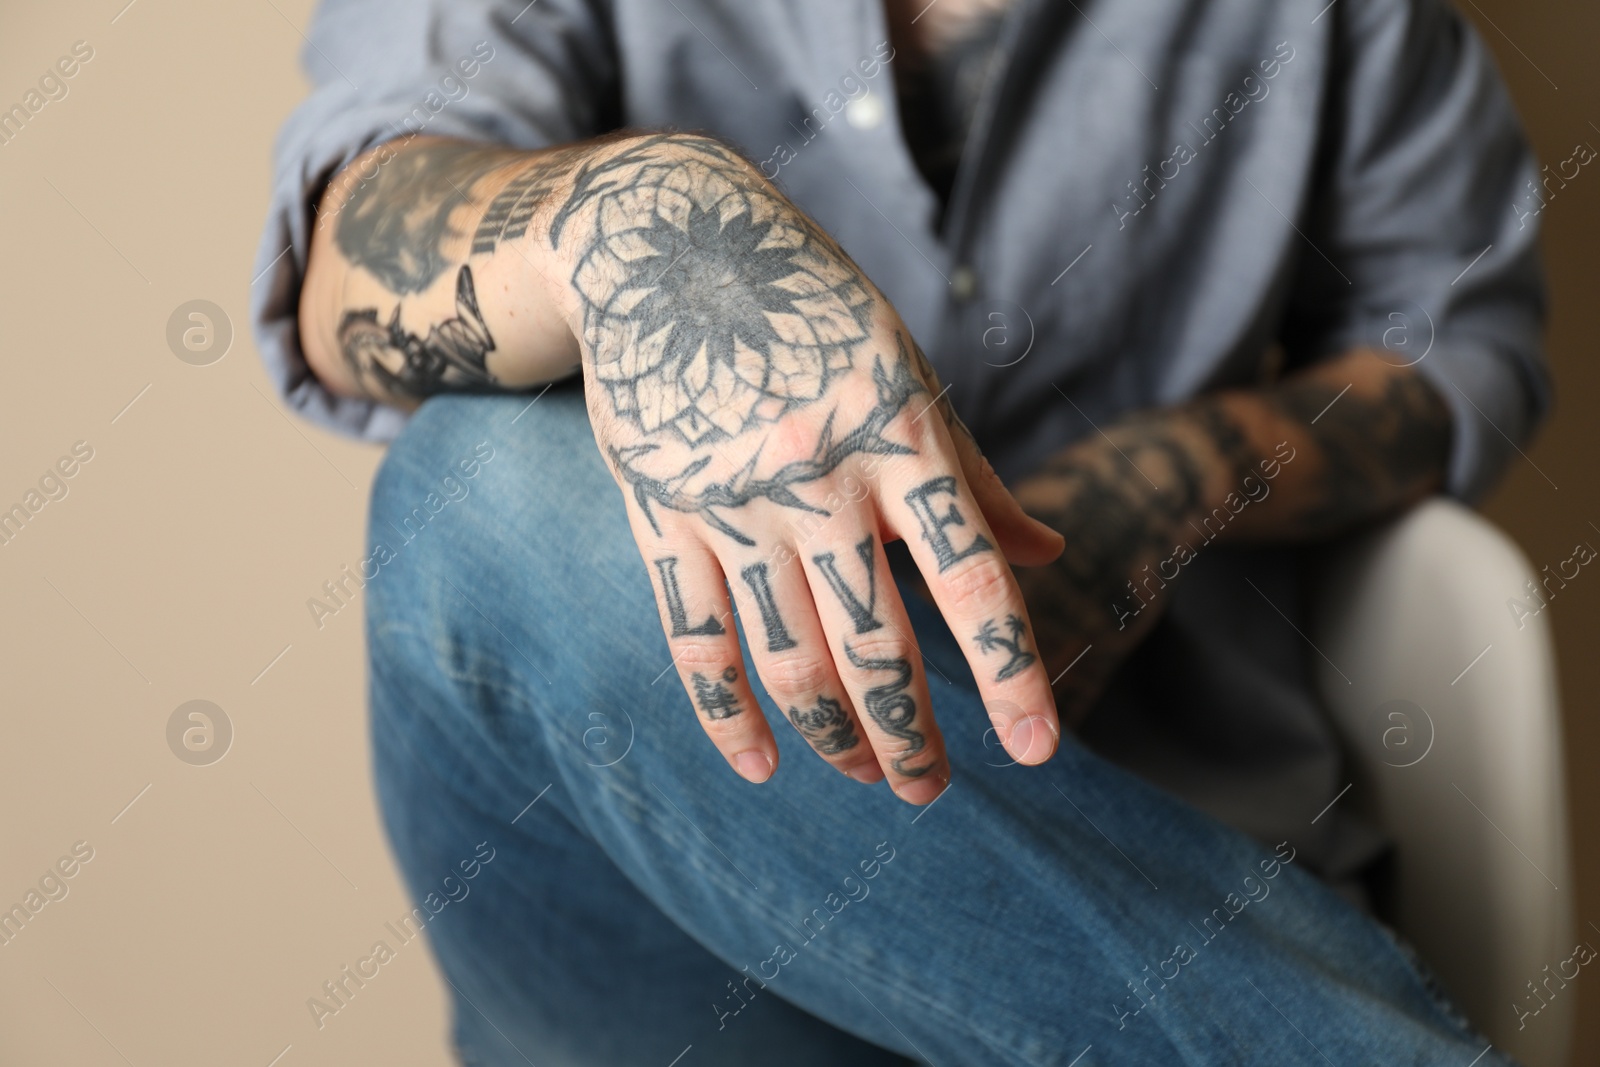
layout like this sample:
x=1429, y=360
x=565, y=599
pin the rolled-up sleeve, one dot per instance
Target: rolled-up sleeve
x=519, y=74
x=1426, y=227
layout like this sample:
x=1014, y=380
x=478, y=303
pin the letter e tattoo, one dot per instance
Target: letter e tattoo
x=934, y=523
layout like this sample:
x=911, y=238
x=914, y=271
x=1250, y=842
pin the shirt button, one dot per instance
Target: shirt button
x=864, y=112
x=963, y=283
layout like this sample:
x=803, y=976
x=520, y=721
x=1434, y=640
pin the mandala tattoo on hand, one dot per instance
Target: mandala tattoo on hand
x=711, y=304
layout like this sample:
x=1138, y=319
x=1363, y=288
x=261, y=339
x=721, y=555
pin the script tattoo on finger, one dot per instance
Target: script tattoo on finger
x=778, y=639
x=935, y=523
x=387, y=358
x=862, y=615
x=990, y=639
x=676, y=611
x=892, y=708
x=716, y=700
x=826, y=725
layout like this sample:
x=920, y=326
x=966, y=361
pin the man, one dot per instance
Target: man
x=1208, y=282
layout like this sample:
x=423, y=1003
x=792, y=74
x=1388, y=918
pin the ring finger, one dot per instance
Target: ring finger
x=870, y=637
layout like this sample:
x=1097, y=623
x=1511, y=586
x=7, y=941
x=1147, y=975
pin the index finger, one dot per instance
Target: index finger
x=973, y=586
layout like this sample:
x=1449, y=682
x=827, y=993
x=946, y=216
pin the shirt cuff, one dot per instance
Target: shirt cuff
x=1494, y=409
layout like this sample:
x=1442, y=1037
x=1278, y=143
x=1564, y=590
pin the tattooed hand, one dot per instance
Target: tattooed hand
x=762, y=407
x=772, y=424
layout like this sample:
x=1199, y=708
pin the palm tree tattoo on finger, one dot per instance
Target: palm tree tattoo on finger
x=990, y=639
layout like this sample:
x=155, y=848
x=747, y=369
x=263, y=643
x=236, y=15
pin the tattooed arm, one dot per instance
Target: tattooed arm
x=422, y=278
x=760, y=404
x=1344, y=441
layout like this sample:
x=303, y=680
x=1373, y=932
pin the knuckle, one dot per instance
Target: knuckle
x=802, y=675
x=700, y=657
x=878, y=647
x=921, y=425
x=983, y=585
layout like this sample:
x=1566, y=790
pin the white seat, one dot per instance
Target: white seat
x=1466, y=777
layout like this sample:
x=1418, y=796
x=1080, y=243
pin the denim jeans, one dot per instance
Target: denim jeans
x=600, y=888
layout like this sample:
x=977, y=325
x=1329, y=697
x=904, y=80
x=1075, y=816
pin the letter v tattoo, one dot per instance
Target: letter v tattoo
x=863, y=615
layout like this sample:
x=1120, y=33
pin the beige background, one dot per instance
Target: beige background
x=179, y=564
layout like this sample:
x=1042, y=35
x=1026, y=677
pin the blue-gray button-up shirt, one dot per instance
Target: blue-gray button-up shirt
x=1158, y=197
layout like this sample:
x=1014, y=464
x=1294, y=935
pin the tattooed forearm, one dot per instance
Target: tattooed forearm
x=513, y=207
x=397, y=222
x=990, y=639
x=892, y=708
x=400, y=221
x=1137, y=506
x=826, y=726
x=716, y=700
x=1373, y=453
x=389, y=359
x=1120, y=510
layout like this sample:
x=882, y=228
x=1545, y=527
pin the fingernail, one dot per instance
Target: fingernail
x=754, y=765
x=1032, y=740
x=867, y=773
x=922, y=790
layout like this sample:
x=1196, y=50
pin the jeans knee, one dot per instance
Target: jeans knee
x=492, y=521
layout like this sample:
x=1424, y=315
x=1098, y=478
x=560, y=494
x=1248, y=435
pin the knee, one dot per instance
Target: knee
x=454, y=446
x=486, y=515
x=472, y=477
